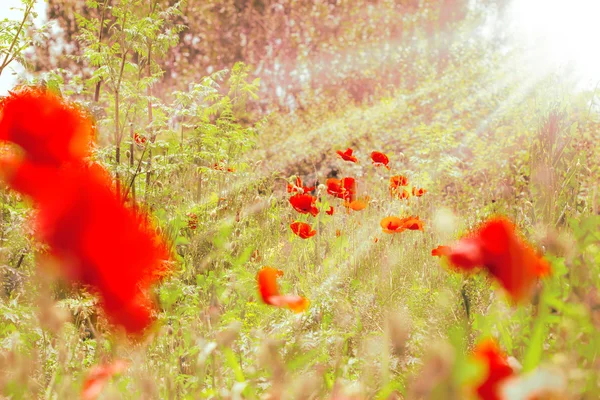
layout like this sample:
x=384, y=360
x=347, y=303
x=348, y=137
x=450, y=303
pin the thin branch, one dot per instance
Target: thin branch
x=16, y=39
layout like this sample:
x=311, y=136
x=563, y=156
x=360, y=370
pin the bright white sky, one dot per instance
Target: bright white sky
x=562, y=33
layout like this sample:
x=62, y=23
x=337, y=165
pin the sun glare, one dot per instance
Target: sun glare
x=561, y=34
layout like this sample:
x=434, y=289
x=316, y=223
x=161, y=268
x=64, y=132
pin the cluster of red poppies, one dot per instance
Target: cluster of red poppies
x=95, y=239
x=305, y=203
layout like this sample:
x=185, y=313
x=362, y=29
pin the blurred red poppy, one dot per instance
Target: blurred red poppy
x=305, y=204
x=412, y=223
x=418, y=192
x=343, y=189
x=397, y=225
x=380, y=159
x=269, y=291
x=357, y=205
x=99, y=376
x=496, y=366
x=50, y=130
x=392, y=225
x=303, y=229
x=347, y=155
x=396, y=182
x=140, y=140
x=192, y=221
x=404, y=195
x=330, y=211
x=338, y=233
x=495, y=246
x=441, y=251
x=100, y=242
x=298, y=187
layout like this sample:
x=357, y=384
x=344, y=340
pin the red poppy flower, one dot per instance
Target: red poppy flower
x=347, y=155
x=343, y=189
x=269, y=291
x=375, y=240
x=48, y=129
x=99, y=242
x=140, y=140
x=497, y=369
x=305, y=204
x=230, y=169
x=392, y=225
x=397, y=225
x=99, y=376
x=357, y=205
x=303, y=229
x=298, y=187
x=396, y=182
x=496, y=247
x=441, y=251
x=192, y=221
x=404, y=195
x=380, y=159
x=330, y=211
x=338, y=233
x=418, y=192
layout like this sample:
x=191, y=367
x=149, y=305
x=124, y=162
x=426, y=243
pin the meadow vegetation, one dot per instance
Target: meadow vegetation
x=209, y=154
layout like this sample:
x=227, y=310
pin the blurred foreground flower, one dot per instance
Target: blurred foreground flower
x=99, y=376
x=496, y=247
x=495, y=363
x=49, y=130
x=269, y=291
x=97, y=240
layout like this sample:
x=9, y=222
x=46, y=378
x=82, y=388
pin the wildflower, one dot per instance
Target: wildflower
x=343, y=189
x=397, y=225
x=375, y=239
x=192, y=221
x=100, y=242
x=496, y=247
x=330, y=211
x=338, y=233
x=404, y=195
x=347, y=155
x=269, y=291
x=413, y=223
x=380, y=159
x=418, y=192
x=50, y=130
x=396, y=182
x=305, y=204
x=441, y=251
x=303, y=230
x=357, y=205
x=497, y=369
x=392, y=225
x=298, y=187
x=140, y=140
x=99, y=376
